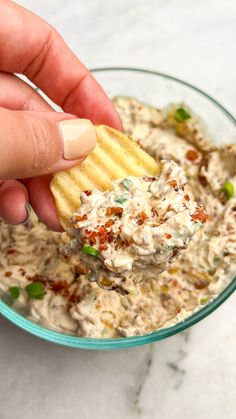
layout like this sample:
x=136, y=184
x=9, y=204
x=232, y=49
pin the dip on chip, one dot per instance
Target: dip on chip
x=128, y=214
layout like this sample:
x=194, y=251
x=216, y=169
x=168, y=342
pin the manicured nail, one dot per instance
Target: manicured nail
x=79, y=137
x=28, y=212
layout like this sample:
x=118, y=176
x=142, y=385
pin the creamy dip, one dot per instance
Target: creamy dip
x=134, y=231
x=73, y=304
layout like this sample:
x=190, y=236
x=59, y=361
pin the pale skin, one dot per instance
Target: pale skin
x=28, y=125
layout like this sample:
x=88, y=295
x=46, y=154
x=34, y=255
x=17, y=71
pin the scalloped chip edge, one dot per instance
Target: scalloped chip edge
x=115, y=156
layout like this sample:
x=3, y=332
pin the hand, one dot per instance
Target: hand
x=34, y=140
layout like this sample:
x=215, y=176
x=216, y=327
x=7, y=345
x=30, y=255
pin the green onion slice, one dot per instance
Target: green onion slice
x=35, y=290
x=14, y=292
x=181, y=115
x=204, y=300
x=89, y=250
x=127, y=183
x=132, y=291
x=121, y=199
x=228, y=190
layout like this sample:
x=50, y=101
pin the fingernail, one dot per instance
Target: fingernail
x=28, y=212
x=79, y=137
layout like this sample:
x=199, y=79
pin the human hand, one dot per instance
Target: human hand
x=34, y=143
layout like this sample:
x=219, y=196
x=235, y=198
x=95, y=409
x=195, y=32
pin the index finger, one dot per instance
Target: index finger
x=28, y=45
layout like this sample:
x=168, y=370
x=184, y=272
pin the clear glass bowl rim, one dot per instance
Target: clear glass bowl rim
x=90, y=343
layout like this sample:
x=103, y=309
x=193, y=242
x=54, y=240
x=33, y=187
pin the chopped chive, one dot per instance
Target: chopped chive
x=35, y=290
x=127, y=183
x=204, y=300
x=121, y=200
x=91, y=251
x=132, y=291
x=228, y=190
x=181, y=115
x=14, y=292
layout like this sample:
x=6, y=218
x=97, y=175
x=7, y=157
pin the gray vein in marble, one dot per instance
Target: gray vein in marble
x=179, y=373
x=176, y=365
x=185, y=335
x=144, y=374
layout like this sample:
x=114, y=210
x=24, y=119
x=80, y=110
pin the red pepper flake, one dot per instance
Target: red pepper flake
x=88, y=192
x=168, y=236
x=79, y=218
x=186, y=197
x=149, y=178
x=8, y=274
x=109, y=223
x=172, y=183
x=199, y=215
x=114, y=211
x=192, y=155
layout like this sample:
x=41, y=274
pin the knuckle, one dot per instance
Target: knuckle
x=39, y=140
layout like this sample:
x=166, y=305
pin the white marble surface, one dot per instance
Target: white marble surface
x=191, y=375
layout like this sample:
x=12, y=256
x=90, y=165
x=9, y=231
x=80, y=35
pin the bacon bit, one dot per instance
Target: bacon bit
x=109, y=211
x=172, y=183
x=8, y=274
x=103, y=239
x=103, y=247
x=149, y=178
x=102, y=230
x=202, y=179
x=59, y=286
x=11, y=251
x=88, y=232
x=88, y=192
x=192, y=155
x=126, y=243
x=74, y=299
x=114, y=211
x=92, y=238
x=201, y=283
x=168, y=236
x=199, y=215
x=22, y=271
x=174, y=283
x=186, y=197
x=110, y=237
x=79, y=218
x=141, y=218
x=38, y=278
x=109, y=223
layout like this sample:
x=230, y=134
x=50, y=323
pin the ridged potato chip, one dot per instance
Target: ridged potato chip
x=115, y=156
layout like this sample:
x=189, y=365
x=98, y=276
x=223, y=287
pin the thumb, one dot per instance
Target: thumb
x=36, y=143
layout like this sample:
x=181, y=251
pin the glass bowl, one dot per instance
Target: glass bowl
x=156, y=89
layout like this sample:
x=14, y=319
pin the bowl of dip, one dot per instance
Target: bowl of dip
x=164, y=114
